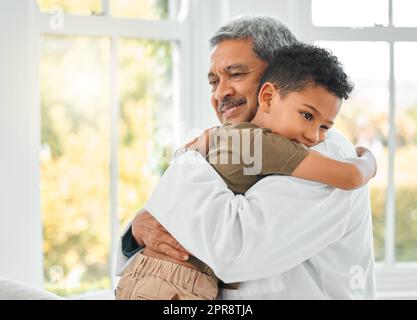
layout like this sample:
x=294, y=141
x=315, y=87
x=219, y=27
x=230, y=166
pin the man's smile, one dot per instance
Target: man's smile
x=230, y=107
x=229, y=110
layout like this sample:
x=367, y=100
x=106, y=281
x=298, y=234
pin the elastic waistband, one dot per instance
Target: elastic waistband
x=187, y=278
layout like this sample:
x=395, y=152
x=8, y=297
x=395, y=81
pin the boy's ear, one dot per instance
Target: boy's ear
x=265, y=96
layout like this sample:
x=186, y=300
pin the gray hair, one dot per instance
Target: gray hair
x=267, y=34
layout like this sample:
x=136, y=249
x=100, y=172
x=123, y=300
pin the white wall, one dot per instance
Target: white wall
x=20, y=222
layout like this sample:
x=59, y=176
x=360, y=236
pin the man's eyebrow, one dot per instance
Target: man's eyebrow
x=231, y=68
x=237, y=67
x=317, y=112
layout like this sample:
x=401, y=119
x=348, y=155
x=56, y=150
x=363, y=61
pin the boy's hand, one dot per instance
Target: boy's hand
x=368, y=155
x=360, y=150
x=203, y=143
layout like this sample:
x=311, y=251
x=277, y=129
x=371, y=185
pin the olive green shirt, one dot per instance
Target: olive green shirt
x=235, y=147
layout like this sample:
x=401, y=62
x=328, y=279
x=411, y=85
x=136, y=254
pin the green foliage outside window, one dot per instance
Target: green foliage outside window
x=75, y=154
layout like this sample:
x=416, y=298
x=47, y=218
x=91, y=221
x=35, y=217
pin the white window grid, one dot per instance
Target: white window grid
x=177, y=31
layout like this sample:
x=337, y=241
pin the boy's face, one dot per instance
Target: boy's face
x=303, y=116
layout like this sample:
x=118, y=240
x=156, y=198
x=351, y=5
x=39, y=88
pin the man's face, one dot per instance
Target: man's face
x=305, y=116
x=234, y=75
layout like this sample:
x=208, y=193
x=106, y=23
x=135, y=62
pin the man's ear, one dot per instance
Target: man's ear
x=265, y=96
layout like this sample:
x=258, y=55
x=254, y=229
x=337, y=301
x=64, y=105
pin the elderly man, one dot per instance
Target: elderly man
x=287, y=238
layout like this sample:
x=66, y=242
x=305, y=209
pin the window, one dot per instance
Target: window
x=74, y=163
x=145, y=95
x=139, y=9
x=143, y=9
x=109, y=122
x=350, y=13
x=404, y=13
x=85, y=7
x=382, y=113
x=364, y=116
x=405, y=174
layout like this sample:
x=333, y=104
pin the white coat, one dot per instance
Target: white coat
x=287, y=238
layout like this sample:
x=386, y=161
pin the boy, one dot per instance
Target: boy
x=299, y=97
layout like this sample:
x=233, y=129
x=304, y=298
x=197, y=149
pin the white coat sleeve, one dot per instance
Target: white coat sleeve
x=121, y=259
x=280, y=222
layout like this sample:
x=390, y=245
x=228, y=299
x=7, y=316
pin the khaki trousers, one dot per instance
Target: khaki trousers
x=149, y=278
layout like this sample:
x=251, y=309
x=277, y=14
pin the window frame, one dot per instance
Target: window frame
x=176, y=30
x=394, y=279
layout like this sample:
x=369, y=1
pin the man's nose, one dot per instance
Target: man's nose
x=223, y=90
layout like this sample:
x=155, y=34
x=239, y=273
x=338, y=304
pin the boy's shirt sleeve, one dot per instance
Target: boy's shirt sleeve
x=280, y=155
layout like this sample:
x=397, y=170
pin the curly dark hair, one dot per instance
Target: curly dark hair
x=299, y=65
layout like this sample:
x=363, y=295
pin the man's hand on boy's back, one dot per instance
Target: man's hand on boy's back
x=148, y=232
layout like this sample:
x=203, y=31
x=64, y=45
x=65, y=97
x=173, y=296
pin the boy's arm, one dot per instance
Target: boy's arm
x=345, y=174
